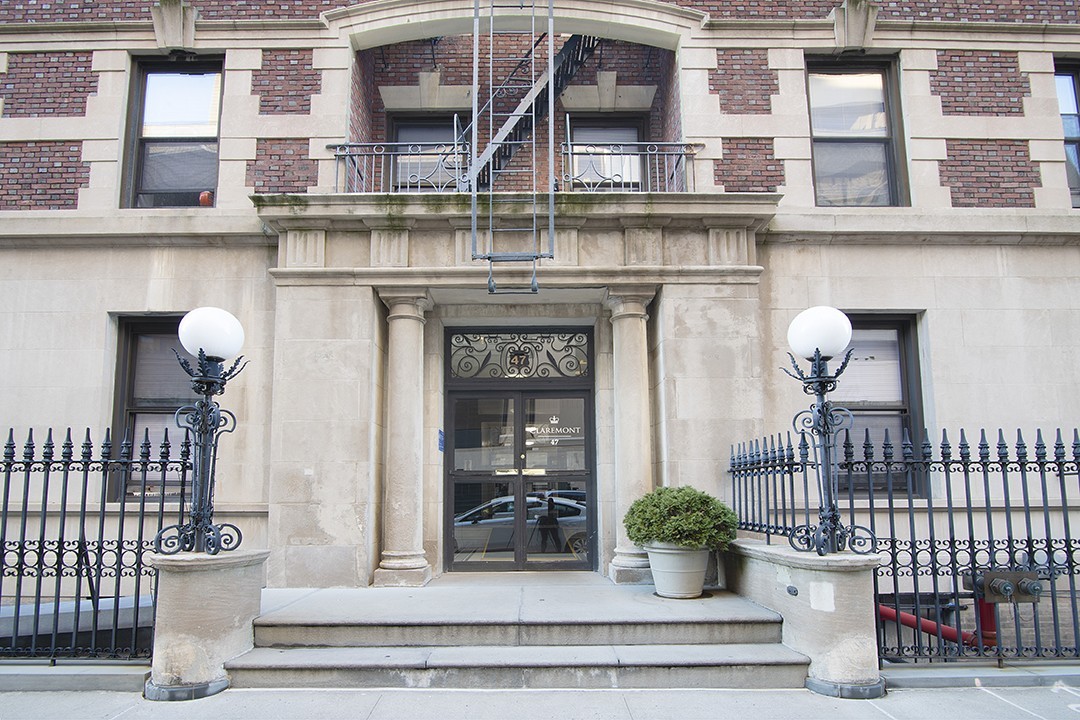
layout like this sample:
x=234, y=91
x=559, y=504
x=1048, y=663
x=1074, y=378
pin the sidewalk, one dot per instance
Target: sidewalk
x=972, y=703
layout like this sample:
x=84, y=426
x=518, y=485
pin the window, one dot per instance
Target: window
x=1068, y=91
x=427, y=157
x=881, y=385
x=606, y=155
x=853, y=135
x=151, y=386
x=175, y=139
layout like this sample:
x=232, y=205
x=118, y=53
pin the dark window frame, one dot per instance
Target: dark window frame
x=586, y=120
x=1072, y=141
x=892, y=141
x=126, y=405
x=909, y=407
x=135, y=149
x=395, y=122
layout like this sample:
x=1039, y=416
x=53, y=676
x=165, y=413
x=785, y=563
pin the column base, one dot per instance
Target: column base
x=848, y=691
x=167, y=693
x=622, y=575
x=411, y=577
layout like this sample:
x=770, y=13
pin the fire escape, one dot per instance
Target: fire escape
x=514, y=58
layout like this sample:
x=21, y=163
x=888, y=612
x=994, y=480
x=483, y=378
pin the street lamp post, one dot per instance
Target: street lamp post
x=819, y=334
x=213, y=336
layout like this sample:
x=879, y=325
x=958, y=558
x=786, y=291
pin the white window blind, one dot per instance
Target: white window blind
x=873, y=375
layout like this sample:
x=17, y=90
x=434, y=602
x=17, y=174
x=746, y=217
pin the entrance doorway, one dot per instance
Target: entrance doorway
x=519, y=477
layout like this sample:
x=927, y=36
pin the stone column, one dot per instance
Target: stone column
x=403, y=563
x=206, y=608
x=633, y=424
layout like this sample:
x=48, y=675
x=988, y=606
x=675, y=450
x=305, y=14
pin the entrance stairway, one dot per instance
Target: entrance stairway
x=558, y=630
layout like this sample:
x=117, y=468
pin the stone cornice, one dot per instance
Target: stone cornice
x=751, y=211
x=915, y=226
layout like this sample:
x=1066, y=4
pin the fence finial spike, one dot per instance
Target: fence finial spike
x=1040, y=446
x=67, y=449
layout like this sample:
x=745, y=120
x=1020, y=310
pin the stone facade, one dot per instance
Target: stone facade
x=347, y=297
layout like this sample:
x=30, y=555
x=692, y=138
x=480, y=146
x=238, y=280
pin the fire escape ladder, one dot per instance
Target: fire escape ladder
x=514, y=59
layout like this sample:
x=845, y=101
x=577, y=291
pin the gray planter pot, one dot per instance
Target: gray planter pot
x=678, y=572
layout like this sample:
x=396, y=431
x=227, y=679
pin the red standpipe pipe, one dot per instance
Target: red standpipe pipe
x=929, y=626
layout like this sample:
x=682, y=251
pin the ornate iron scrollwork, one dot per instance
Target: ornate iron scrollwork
x=519, y=355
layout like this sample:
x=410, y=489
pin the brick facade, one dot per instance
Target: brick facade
x=282, y=165
x=748, y=165
x=43, y=175
x=979, y=83
x=990, y=173
x=744, y=82
x=286, y=82
x=47, y=84
x=1013, y=11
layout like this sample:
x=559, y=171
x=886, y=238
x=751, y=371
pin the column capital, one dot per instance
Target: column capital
x=406, y=302
x=629, y=301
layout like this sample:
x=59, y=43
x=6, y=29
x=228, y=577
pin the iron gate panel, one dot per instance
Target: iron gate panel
x=74, y=529
x=950, y=520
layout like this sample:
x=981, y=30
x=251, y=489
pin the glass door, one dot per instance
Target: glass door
x=519, y=481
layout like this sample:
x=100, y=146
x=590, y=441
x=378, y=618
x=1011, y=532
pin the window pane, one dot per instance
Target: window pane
x=182, y=105
x=848, y=104
x=851, y=174
x=873, y=375
x=431, y=161
x=441, y=133
x=157, y=373
x=1071, y=123
x=1072, y=171
x=1066, y=92
x=178, y=166
x=555, y=433
x=605, y=135
x=597, y=159
x=877, y=423
x=483, y=434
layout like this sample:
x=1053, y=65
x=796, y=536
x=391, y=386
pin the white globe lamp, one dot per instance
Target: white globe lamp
x=214, y=331
x=821, y=328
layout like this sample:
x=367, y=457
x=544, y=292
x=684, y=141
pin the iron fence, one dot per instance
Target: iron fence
x=74, y=531
x=980, y=559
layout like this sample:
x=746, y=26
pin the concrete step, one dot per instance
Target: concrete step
x=314, y=634
x=755, y=665
x=513, y=616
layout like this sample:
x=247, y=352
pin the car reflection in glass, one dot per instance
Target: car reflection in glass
x=554, y=525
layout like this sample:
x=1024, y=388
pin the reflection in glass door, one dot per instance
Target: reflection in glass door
x=519, y=481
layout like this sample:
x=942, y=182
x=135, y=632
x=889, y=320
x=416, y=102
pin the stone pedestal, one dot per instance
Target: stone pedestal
x=827, y=603
x=633, y=425
x=205, y=609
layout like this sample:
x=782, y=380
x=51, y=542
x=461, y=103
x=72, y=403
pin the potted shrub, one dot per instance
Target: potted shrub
x=678, y=527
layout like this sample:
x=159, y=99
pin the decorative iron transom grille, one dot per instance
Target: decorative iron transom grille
x=519, y=355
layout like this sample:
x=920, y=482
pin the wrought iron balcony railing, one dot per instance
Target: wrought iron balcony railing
x=644, y=167
x=400, y=167
x=628, y=167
